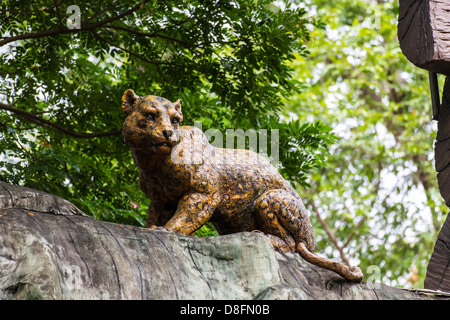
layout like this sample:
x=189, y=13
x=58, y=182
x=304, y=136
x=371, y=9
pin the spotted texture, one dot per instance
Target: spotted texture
x=191, y=182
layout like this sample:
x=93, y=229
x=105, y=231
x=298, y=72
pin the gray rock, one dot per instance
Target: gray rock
x=51, y=250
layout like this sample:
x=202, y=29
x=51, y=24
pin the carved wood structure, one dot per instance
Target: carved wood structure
x=424, y=35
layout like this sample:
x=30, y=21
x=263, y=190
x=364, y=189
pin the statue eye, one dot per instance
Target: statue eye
x=150, y=117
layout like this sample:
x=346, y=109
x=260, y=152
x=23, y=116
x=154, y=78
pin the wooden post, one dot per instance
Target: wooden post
x=424, y=35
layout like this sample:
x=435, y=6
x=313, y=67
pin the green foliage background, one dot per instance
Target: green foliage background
x=60, y=88
x=315, y=70
x=378, y=195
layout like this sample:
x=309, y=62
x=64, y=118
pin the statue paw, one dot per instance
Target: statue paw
x=357, y=274
x=158, y=228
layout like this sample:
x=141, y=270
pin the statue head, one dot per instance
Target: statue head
x=152, y=122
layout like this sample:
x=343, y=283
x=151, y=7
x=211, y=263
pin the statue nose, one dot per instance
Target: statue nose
x=167, y=134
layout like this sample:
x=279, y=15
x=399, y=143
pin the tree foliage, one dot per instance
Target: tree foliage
x=377, y=201
x=61, y=88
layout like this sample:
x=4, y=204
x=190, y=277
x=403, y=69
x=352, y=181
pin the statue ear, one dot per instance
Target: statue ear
x=177, y=106
x=128, y=100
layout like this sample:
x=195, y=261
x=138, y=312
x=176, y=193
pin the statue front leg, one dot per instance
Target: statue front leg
x=193, y=211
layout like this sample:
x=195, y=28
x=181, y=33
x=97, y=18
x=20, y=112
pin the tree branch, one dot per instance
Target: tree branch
x=146, y=34
x=91, y=26
x=156, y=63
x=100, y=11
x=352, y=234
x=126, y=50
x=43, y=122
x=330, y=234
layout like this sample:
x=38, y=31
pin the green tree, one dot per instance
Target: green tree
x=377, y=201
x=61, y=85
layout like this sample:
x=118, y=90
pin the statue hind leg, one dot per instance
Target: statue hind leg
x=284, y=218
x=280, y=214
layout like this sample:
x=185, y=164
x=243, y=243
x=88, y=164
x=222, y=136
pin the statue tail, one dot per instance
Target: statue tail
x=353, y=274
